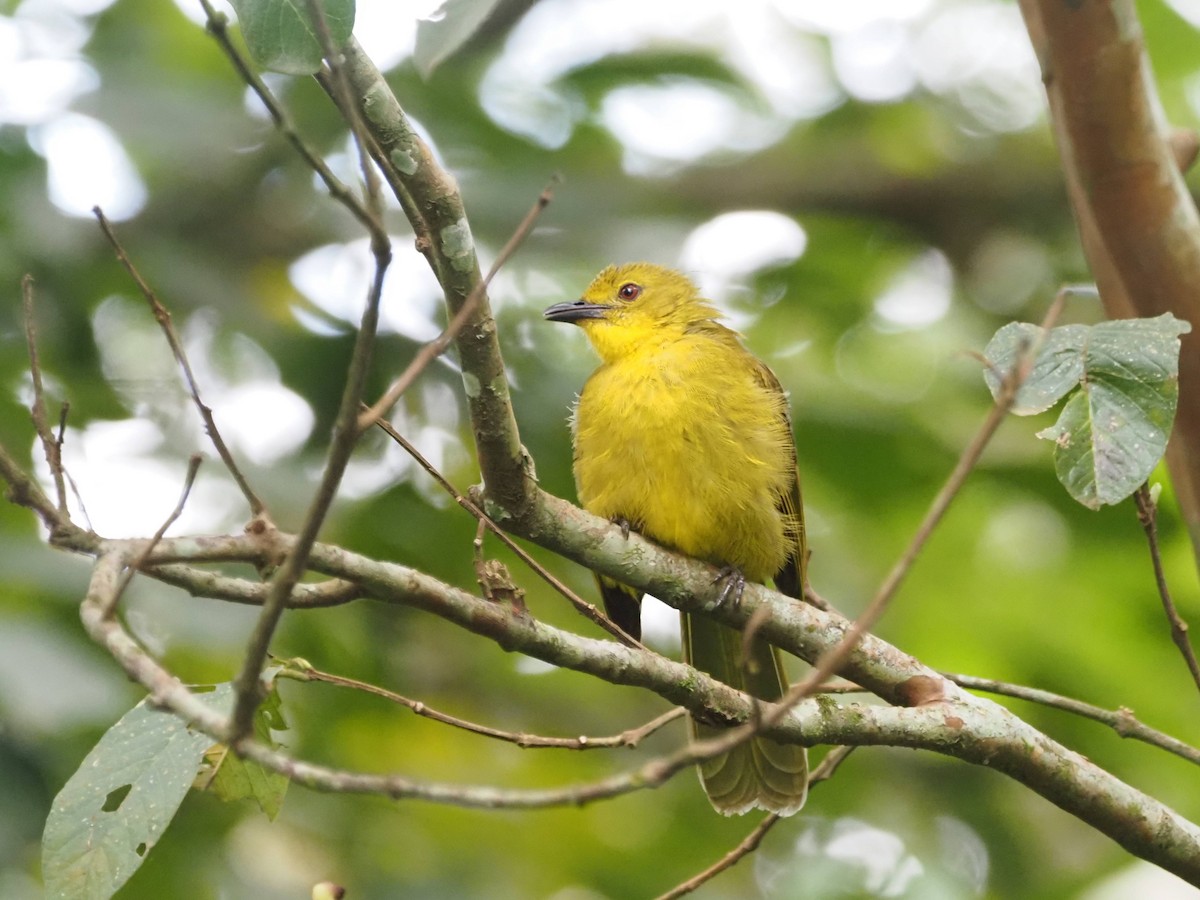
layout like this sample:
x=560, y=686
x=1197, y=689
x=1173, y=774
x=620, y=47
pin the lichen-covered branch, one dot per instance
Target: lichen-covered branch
x=940, y=717
x=929, y=712
x=430, y=198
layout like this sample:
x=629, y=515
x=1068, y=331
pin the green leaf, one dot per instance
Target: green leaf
x=1114, y=428
x=282, y=37
x=232, y=778
x=1058, y=368
x=116, y=806
x=439, y=36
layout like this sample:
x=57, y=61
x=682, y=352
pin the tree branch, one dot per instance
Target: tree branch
x=1122, y=720
x=343, y=441
x=1147, y=513
x=302, y=670
x=432, y=202
x=1138, y=224
x=960, y=725
x=163, y=316
x=37, y=409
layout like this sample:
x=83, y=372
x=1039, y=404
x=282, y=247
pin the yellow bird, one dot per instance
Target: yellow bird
x=683, y=435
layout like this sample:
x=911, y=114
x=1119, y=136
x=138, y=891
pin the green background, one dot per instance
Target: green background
x=922, y=172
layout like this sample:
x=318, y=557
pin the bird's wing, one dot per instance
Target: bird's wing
x=792, y=577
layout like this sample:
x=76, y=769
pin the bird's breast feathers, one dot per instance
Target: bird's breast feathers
x=694, y=450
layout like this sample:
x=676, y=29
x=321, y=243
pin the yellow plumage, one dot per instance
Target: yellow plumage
x=684, y=434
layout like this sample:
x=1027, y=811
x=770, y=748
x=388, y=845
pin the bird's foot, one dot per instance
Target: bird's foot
x=624, y=524
x=734, y=583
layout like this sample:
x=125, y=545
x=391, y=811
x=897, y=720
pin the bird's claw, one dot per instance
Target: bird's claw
x=734, y=585
x=624, y=524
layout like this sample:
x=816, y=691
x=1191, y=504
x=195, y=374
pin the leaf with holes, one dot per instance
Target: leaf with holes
x=1123, y=378
x=117, y=805
x=281, y=35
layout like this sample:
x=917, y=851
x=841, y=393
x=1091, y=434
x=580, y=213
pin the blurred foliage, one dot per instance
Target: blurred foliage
x=911, y=205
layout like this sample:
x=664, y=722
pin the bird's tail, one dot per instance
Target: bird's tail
x=759, y=773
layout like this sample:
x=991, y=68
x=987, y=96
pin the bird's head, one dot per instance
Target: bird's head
x=629, y=307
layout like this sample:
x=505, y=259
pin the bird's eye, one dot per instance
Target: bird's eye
x=629, y=291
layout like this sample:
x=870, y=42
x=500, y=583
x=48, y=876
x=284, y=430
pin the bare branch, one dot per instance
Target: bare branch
x=956, y=724
x=163, y=317
x=434, y=206
x=345, y=437
x=50, y=447
x=830, y=662
x=1147, y=512
x=202, y=583
x=302, y=670
x=218, y=28
x=1122, y=720
x=438, y=345
x=588, y=610
x=140, y=560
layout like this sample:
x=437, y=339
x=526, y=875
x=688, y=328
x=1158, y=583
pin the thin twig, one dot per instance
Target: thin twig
x=218, y=28
x=345, y=431
x=350, y=112
x=24, y=490
x=588, y=610
x=479, y=561
x=1147, y=513
x=58, y=442
x=203, y=583
x=344, y=439
x=829, y=765
x=127, y=576
x=750, y=842
x=301, y=670
x=438, y=345
x=51, y=447
x=163, y=317
x=745, y=847
x=964, y=727
x=1006, y=396
x=832, y=659
x=1122, y=720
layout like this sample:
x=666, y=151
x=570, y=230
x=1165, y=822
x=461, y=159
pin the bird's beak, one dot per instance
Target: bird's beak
x=574, y=310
